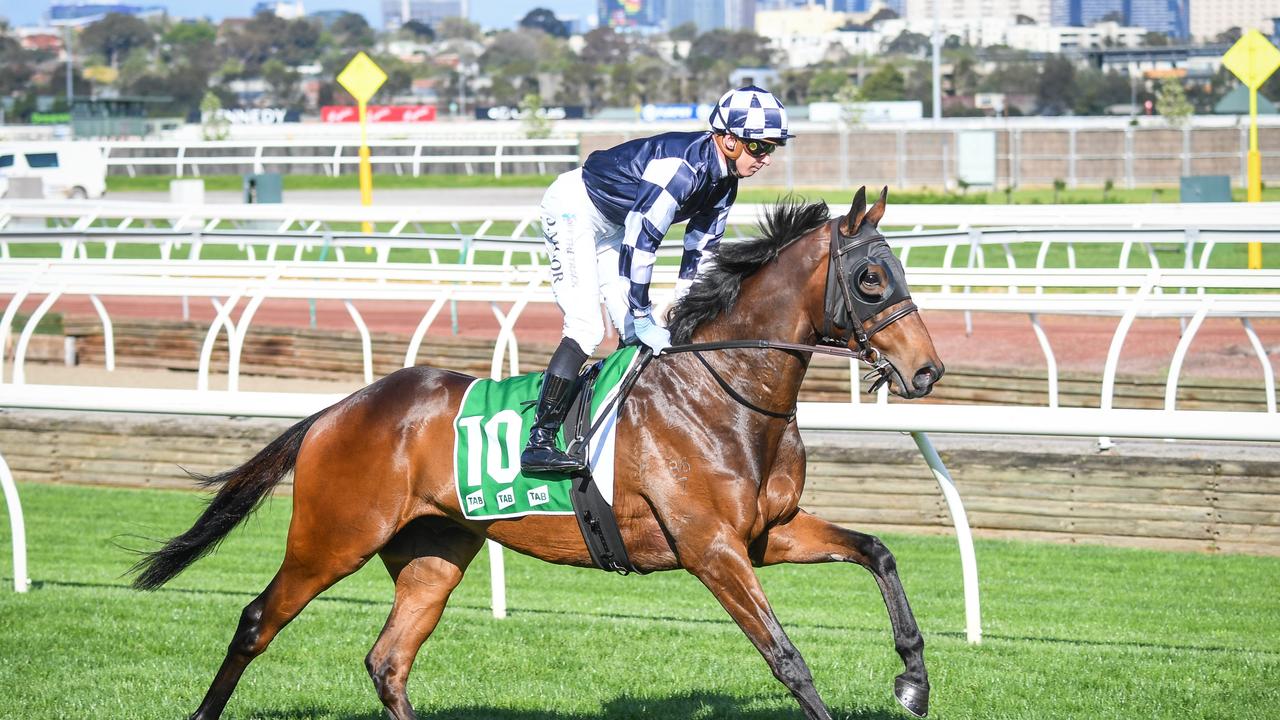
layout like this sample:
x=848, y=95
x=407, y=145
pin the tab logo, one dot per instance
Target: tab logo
x=539, y=496
x=506, y=498
x=475, y=500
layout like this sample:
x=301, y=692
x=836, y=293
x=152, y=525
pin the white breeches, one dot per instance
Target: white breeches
x=583, y=247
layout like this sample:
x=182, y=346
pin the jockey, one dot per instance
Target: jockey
x=603, y=223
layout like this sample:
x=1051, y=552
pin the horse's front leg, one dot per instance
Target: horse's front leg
x=807, y=539
x=723, y=566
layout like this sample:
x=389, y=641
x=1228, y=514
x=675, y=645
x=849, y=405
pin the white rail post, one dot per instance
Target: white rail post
x=968, y=560
x=17, y=527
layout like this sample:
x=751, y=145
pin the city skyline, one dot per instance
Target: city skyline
x=488, y=14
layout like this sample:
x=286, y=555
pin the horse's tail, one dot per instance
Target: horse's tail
x=242, y=490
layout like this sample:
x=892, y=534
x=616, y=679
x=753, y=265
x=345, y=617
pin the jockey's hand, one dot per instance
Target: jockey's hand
x=652, y=334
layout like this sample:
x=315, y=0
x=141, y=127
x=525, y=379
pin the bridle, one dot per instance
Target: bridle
x=847, y=308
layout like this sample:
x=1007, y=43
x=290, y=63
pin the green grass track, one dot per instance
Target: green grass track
x=1071, y=632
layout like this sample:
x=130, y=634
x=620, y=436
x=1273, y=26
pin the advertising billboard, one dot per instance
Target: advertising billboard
x=378, y=113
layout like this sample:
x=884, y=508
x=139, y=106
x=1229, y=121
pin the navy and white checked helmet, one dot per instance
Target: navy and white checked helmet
x=751, y=113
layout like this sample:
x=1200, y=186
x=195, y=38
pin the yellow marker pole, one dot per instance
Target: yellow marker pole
x=1255, y=174
x=366, y=171
x=1252, y=59
x=362, y=77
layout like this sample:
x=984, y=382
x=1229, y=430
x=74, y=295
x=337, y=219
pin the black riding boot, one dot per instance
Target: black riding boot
x=542, y=455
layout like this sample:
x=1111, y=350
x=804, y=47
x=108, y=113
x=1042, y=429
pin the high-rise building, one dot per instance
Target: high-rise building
x=398, y=12
x=712, y=14
x=1082, y=13
x=86, y=12
x=1167, y=16
x=1037, y=10
x=1211, y=17
x=629, y=13
x=1164, y=16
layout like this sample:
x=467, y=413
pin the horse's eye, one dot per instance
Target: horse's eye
x=871, y=279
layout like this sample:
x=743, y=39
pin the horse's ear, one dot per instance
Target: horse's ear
x=849, y=226
x=877, y=211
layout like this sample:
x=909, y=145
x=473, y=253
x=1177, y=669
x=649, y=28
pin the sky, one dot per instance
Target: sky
x=489, y=13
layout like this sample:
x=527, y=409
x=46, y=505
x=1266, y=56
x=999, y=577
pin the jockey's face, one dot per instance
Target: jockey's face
x=749, y=162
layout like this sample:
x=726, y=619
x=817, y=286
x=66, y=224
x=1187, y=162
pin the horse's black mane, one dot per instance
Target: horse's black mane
x=716, y=288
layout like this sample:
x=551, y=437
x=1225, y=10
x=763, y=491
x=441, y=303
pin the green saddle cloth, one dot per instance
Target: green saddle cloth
x=492, y=428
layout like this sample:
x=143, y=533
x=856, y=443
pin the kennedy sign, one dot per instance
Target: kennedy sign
x=252, y=116
x=378, y=113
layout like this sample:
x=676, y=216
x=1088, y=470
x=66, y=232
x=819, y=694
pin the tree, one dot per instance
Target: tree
x=1056, y=91
x=456, y=27
x=603, y=46
x=1095, y=91
x=908, y=43
x=282, y=79
x=536, y=124
x=1155, y=39
x=213, y=124
x=418, y=29
x=352, y=32
x=883, y=13
x=115, y=35
x=1229, y=36
x=546, y=21
x=850, y=99
x=1021, y=78
x=686, y=32
x=192, y=44
x=824, y=84
x=1172, y=103
x=886, y=83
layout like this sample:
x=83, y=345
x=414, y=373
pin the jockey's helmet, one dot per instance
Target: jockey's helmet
x=751, y=113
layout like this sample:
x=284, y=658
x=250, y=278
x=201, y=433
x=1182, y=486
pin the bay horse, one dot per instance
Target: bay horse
x=709, y=471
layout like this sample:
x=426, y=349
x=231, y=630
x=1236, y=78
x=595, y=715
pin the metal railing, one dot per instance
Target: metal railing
x=337, y=156
x=395, y=219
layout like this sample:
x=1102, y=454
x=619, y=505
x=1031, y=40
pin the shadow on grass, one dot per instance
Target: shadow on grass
x=624, y=707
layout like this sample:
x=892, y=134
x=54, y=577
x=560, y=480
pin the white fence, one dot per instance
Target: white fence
x=191, y=158
x=1126, y=294
x=282, y=217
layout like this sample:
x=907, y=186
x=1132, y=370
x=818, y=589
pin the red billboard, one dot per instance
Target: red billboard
x=378, y=113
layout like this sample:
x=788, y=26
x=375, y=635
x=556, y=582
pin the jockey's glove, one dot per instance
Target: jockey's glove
x=652, y=334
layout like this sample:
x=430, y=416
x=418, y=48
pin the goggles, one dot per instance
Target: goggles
x=759, y=148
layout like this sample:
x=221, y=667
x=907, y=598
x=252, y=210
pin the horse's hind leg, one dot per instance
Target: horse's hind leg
x=297, y=582
x=427, y=560
x=722, y=566
x=807, y=539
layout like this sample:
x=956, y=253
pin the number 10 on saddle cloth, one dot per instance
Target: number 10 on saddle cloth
x=492, y=427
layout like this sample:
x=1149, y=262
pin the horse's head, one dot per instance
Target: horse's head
x=868, y=306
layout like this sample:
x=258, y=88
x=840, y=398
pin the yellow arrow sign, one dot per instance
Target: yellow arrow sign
x=362, y=77
x=1253, y=58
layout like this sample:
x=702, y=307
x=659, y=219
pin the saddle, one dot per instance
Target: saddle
x=595, y=516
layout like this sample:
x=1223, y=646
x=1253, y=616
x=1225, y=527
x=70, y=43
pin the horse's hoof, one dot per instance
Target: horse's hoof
x=912, y=696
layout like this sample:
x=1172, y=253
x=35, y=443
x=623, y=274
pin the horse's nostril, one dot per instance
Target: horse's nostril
x=925, y=378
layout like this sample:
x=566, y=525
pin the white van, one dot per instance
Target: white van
x=68, y=169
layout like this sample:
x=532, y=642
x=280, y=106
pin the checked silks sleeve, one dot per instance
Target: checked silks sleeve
x=667, y=183
x=701, y=236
